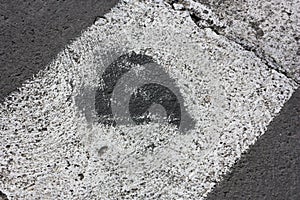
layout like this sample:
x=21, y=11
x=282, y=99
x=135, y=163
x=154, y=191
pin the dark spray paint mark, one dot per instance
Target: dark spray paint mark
x=150, y=94
x=110, y=78
x=147, y=93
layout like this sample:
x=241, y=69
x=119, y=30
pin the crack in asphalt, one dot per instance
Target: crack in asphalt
x=215, y=28
x=268, y=60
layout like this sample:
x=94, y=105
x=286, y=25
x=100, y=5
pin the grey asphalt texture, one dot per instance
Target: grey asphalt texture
x=270, y=170
x=33, y=32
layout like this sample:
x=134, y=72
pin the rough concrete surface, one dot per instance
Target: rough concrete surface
x=52, y=150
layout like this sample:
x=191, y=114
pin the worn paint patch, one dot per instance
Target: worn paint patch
x=51, y=149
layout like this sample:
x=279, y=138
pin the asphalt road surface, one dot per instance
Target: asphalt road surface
x=213, y=106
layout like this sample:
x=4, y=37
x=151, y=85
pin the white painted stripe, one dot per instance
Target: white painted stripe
x=48, y=142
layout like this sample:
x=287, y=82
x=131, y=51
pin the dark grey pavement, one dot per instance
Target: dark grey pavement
x=33, y=32
x=271, y=169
